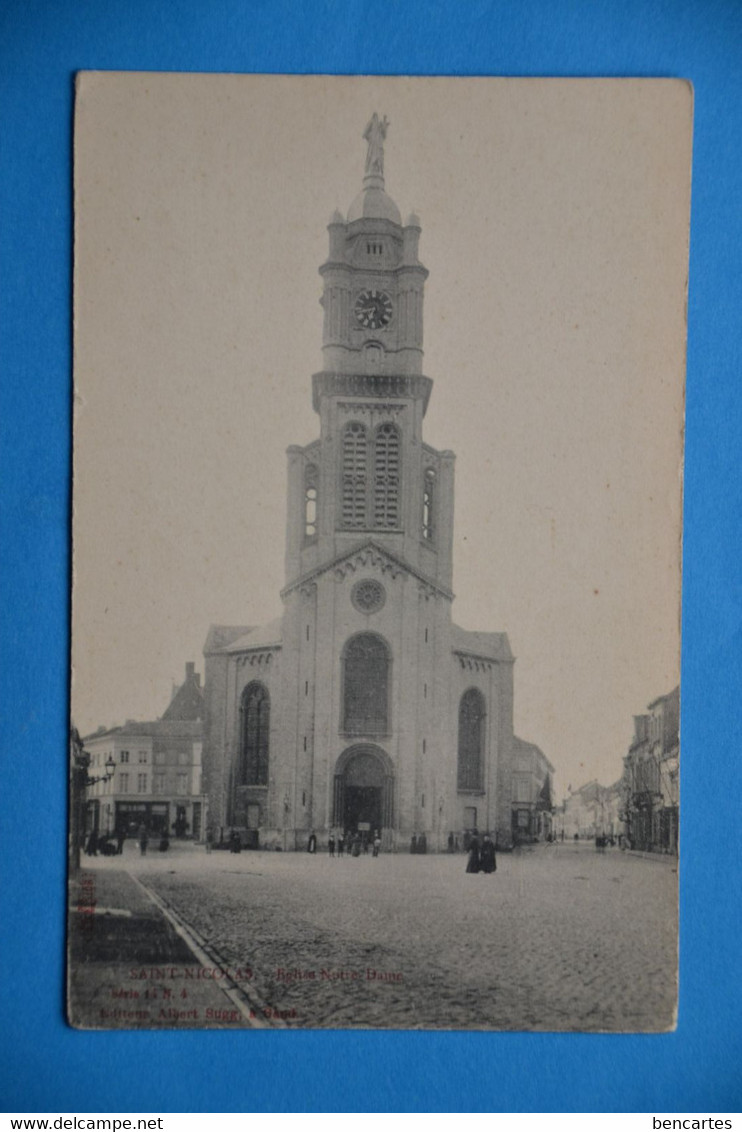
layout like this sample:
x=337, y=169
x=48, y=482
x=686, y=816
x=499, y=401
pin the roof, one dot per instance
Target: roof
x=491, y=646
x=187, y=703
x=188, y=728
x=670, y=696
x=259, y=637
x=522, y=746
x=219, y=636
x=374, y=203
x=588, y=789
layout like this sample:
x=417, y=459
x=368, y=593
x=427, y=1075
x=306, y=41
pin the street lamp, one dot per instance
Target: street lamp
x=110, y=768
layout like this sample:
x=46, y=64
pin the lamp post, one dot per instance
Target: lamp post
x=110, y=768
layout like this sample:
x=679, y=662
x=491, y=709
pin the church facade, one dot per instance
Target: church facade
x=364, y=707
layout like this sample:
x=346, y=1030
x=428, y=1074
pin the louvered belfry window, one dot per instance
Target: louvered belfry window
x=472, y=714
x=355, y=458
x=256, y=721
x=386, y=476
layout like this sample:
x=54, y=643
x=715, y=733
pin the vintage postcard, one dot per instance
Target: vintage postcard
x=378, y=433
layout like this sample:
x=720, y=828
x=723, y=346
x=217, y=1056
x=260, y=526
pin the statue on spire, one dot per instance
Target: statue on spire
x=374, y=134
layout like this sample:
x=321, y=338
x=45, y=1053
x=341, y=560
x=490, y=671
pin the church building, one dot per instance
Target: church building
x=364, y=707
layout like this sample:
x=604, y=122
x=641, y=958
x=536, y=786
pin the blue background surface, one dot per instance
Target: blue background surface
x=48, y=1067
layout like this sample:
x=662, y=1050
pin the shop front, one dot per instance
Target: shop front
x=130, y=816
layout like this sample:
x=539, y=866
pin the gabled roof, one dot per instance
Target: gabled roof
x=491, y=646
x=187, y=703
x=393, y=561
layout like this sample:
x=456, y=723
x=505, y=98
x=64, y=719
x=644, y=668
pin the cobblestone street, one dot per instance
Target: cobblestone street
x=560, y=938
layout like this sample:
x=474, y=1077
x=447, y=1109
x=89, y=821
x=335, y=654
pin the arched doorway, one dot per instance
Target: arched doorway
x=364, y=790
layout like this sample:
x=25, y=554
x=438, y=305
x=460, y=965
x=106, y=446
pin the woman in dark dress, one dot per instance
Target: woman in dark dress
x=474, y=864
x=487, y=855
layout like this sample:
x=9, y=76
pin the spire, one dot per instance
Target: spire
x=375, y=134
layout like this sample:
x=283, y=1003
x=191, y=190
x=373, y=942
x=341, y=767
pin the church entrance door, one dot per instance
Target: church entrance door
x=364, y=790
x=363, y=809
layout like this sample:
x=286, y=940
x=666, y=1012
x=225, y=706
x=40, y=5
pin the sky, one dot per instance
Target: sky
x=554, y=221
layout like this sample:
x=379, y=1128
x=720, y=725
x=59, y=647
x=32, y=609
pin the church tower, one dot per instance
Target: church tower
x=370, y=476
x=364, y=708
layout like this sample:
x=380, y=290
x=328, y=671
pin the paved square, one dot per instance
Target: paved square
x=560, y=938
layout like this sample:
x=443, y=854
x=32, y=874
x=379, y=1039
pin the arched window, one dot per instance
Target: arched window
x=386, y=476
x=255, y=710
x=366, y=686
x=428, y=504
x=355, y=455
x=472, y=716
x=310, y=501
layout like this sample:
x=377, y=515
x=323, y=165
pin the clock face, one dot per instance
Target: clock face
x=373, y=309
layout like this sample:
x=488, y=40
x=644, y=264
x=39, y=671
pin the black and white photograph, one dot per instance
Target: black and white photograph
x=378, y=468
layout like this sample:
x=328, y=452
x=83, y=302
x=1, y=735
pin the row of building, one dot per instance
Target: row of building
x=650, y=784
x=641, y=806
x=151, y=773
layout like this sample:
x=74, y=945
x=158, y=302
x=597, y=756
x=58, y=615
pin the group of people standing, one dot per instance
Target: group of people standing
x=104, y=843
x=481, y=857
x=354, y=844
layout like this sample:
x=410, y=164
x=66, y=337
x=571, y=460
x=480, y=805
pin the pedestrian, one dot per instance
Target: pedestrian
x=487, y=855
x=91, y=849
x=474, y=863
x=413, y=843
x=143, y=839
x=450, y=842
x=341, y=844
x=235, y=845
x=312, y=843
x=356, y=848
x=422, y=843
x=331, y=844
x=377, y=843
x=120, y=839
